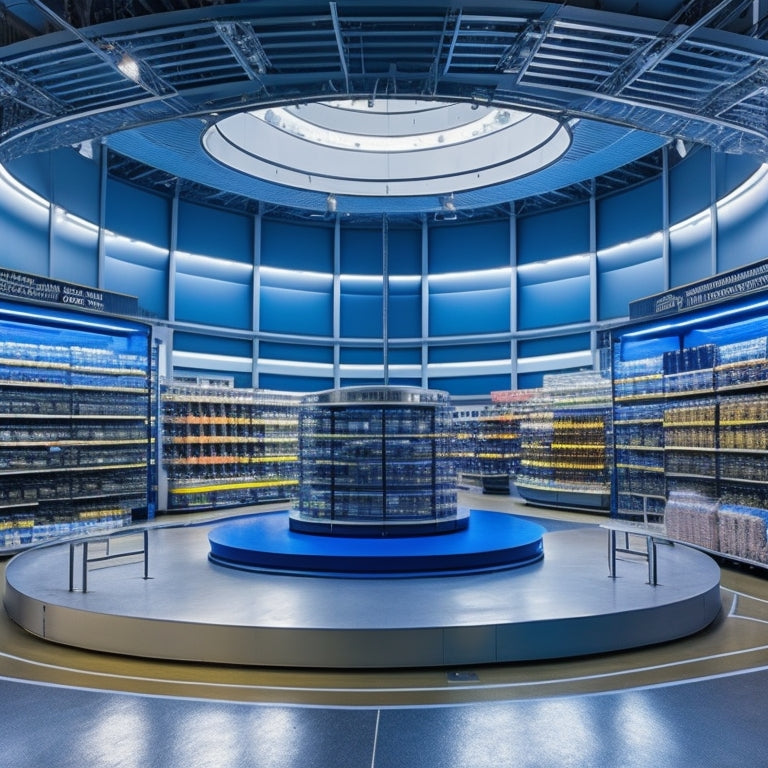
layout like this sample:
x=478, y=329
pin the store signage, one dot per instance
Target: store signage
x=728, y=285
x=19, y=285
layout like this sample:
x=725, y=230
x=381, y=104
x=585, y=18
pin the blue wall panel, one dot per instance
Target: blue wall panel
x=404, y=251
x=212, y=302
x=147, y=284
x=361, y=316
x=75, y=185
x=404, y=316
x=530, y=380
x=405, y=356
x=470, y=385
x=469, y=353
x=138, y=214
x=553, y=345
x=361, y=251
x=618, y=287
x=297, y=246
x=690, y=185
x=361, y=355
x=463, y=247
x=733, y=170
x=23, y=236
x=553, y=234
x=215, y=232
x=211, y=345
x=471, y=312
x=306, y=313
x=629, y=215
x=690, y=251
x=742, y=231
x=300, y=353
x=554, y=302
x=283, y=383
x=74, y=253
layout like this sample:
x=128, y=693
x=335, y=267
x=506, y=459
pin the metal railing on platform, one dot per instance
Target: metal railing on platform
x=108, y=554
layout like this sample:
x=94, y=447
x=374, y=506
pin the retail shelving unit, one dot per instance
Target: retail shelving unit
x=499, y=439
x=223, y=446
x=564, y=443
x=691, y=419
x=74, y=423
x=377, y=461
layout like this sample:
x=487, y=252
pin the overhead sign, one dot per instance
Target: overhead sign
x=19, y=285
x=727, y=285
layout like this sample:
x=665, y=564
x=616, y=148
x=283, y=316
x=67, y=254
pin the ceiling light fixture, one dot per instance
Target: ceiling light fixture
x=129, y=67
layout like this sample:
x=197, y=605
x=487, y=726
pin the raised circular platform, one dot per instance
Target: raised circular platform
x=190, y=609
x=491, y=541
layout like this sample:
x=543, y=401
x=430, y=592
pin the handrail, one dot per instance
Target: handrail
x=144, y=551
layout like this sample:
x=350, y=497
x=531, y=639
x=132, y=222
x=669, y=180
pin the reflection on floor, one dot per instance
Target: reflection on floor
x=695, y=702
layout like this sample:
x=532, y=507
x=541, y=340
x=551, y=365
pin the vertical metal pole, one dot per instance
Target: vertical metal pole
x=652, y=574
x=72, y=567
x=85, y=566
x=385, y=296
x=146, y=554
x=612, y=553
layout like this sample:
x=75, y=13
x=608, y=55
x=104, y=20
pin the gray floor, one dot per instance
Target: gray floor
x=713, y=719
x=716, y=723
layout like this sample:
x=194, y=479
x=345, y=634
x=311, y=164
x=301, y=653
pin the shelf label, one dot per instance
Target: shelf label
x=20, y=285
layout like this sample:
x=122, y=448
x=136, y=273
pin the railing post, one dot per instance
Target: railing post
x=85, y=566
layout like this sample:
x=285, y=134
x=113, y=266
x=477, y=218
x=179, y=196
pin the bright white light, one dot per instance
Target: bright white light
x=129, y=67
x=290, y=120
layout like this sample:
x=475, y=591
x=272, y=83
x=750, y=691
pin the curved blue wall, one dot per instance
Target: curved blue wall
x=469, y=306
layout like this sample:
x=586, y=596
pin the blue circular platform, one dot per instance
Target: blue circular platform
x=492, y=541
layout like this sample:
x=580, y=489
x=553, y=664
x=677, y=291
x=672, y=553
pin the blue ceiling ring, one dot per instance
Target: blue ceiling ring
x=175, y=147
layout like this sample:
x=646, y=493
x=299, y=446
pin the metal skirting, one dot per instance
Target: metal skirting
x=190, y=609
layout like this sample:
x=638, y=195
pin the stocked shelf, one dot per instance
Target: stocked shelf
x=703, y=380
x=564, y=456
x=223, y=446
x=74, y=424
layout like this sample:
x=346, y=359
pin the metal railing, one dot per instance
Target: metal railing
x=108, y=555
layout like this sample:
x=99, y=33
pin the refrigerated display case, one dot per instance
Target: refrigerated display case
x=377, y=461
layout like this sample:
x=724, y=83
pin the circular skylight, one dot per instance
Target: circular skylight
x=387, y=147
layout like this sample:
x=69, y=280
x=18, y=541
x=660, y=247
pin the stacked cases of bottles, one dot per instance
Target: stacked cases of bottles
x=74, y=429
x=377, y=454
x=223, y=446
x=564, y=441
x=638, y=431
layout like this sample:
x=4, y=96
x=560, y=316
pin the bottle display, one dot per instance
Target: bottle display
x=691, y=436
x=74, y=431
x=223, y=446
x=564, y=455
x=376, y=461
x=499, y=437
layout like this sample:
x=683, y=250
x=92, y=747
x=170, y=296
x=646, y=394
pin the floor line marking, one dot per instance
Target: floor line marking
x=385, y=691
x=390, y=707
x=375, y=738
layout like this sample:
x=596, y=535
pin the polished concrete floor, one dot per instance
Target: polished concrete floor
x=697, y=702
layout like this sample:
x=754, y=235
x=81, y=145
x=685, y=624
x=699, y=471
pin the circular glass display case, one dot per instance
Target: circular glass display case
x=377, y=461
